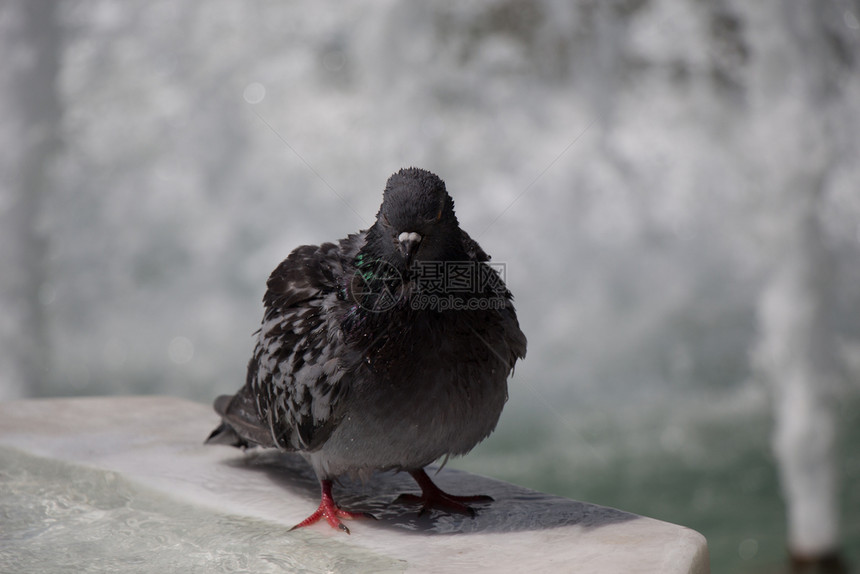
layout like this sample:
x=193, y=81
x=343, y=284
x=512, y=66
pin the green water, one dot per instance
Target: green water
x=61, y=518
x=704, y=464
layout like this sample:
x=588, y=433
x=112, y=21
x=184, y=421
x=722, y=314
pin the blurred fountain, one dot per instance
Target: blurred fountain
x=31, y=113
x=797, y=352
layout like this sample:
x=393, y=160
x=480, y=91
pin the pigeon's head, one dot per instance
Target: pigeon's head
x=416, y=221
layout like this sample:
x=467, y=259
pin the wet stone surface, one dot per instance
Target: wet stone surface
x=125, y=484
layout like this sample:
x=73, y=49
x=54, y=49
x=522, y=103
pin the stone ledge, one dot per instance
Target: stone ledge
x=155, y=444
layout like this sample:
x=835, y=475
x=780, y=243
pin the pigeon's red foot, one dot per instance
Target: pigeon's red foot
x=434, y=497
x=329, y=510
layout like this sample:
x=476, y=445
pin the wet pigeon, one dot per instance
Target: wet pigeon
x=385, y=351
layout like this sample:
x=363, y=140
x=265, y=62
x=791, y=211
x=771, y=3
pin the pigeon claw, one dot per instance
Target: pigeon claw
x=330, y=511
x=433, y=497
x=444, y=502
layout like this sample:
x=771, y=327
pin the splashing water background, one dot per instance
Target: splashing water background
x=642, y=169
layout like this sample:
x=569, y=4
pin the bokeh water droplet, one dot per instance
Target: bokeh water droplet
x=254, y=93
x=180, y=350
x=748, y=548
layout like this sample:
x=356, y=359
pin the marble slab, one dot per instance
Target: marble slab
x=216, y=508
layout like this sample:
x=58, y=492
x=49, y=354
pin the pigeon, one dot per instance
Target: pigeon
x=385, y=351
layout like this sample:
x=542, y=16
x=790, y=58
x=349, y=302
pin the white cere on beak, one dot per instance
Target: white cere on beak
x=409, y=237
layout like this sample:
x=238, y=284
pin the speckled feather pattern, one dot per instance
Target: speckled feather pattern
x=355, y=389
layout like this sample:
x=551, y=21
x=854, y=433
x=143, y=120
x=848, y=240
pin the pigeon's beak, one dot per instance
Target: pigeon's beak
x=409, y=241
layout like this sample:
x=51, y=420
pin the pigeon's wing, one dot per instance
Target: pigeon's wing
x=473, y=250
x=494, y=286
x=297, y=371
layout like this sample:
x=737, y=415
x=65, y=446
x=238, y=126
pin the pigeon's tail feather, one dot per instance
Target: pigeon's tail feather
x=222, y=403
x=225, y=434
x=240, y=424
